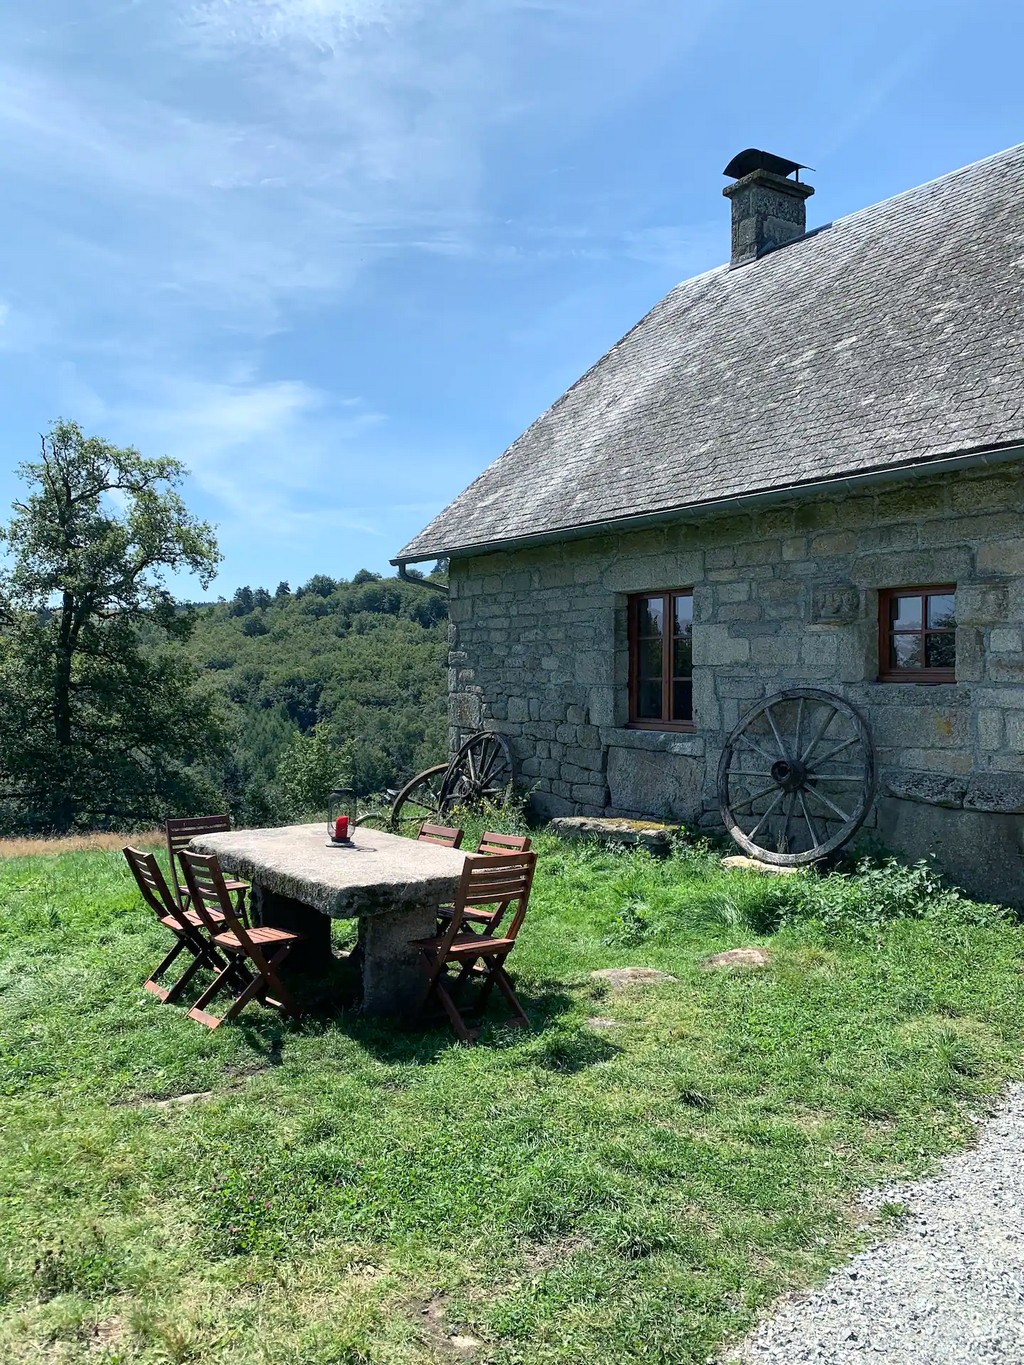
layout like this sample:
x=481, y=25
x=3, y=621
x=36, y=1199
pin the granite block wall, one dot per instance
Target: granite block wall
x=783, y=595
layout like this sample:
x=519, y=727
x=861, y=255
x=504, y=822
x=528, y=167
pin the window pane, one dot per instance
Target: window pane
x=684, y=614
x=650, y=616
x=940, y=612
x=940, y=650
x=682, y=657
x=906, y=613
x=648, y=700
x=682, y=701
x=649, y=658
x=907, y=651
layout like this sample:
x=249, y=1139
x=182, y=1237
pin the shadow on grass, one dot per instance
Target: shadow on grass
x=329, y=1003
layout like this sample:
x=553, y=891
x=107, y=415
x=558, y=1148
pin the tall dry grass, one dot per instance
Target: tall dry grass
x=79, y=843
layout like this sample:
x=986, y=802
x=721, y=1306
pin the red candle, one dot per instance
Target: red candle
x=341, y=827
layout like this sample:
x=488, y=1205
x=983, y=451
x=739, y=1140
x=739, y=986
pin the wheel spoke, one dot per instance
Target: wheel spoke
x=756, y=747
x=765, y=816
x=837, y=750
x=775, y=732
x=831, y=804
x=488, y=767
x=784, y=841
x=835, y=777
x=749, y=801
x=811, y=828
x=799, y=725
x=830, y=715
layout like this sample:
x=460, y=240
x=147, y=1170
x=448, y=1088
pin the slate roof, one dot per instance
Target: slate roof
x=890, y=336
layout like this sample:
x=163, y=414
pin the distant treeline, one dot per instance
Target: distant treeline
x=336, y=680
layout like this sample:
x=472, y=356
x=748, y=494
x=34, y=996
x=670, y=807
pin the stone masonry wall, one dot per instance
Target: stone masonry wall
x=782, y=596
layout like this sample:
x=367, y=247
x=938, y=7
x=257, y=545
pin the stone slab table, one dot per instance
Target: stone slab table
x=392, y=886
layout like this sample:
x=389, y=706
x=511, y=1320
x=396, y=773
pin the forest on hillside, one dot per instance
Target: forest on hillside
x=121, y=706
x=334, y=680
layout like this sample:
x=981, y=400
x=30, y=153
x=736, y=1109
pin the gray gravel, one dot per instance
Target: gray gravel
x=947, y=1289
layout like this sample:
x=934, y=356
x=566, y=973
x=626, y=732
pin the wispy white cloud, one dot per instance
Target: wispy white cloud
x=196, y=178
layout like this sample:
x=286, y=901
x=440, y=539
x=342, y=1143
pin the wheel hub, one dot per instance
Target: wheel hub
x=789, y=774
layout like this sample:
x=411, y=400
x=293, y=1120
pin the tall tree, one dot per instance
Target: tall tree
x=96, y=725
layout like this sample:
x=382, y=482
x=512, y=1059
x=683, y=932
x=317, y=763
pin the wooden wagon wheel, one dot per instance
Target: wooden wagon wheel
x=417, y=801
x=480, y=771
x=796, y=777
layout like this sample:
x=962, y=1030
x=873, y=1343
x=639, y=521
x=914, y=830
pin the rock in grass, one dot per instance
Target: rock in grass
x=737, y=957
x=621, y=978
x=652, y=835
x=739, y=862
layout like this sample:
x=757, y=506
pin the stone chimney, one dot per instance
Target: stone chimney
x=768, y=209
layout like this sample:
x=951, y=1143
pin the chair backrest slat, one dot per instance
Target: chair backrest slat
x=494, y=879
x=503, y=843
x=445, y=835
x=208, y=891
x=181, y=832
x=153, y=885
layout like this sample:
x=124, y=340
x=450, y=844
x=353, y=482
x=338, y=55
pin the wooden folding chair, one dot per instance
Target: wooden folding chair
x=253, y=955
x=191, y=933
x=180, y=834
x=491, y=844
x=445, y=835
x=501, y=880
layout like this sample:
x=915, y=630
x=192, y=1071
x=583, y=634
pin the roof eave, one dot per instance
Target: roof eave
x=929, y=465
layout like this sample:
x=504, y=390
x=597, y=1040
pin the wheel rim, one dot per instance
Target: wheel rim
x=480, y=771
x=419, y=799
x=797, y=777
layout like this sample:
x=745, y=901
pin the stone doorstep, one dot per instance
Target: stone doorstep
x=652, y=835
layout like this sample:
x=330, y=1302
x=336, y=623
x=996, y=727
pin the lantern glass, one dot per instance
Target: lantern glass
x=341, y=804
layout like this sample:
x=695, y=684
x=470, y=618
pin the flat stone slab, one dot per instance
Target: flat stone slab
x=382, y=873
x=650, y=834
x=739, y=862
x=737, y=957
x=622, y=978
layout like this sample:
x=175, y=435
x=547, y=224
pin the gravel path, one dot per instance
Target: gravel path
x=948, y=1289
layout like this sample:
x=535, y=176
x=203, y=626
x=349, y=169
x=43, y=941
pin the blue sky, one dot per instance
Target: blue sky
x=336, y=254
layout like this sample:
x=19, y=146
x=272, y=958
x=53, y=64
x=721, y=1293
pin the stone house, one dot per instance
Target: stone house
x=809, y=460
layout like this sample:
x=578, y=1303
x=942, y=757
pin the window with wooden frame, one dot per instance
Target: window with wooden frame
x=661, y=660
x=917, y=635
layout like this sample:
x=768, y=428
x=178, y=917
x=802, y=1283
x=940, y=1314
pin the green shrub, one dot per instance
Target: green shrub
x=875, y=894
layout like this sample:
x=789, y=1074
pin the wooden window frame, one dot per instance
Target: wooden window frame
x=887, y=670
x=667, y=678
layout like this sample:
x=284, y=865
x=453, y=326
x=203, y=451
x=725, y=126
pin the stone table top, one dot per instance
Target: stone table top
x=380, y=874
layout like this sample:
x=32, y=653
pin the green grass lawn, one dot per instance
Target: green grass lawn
x=346, y=1193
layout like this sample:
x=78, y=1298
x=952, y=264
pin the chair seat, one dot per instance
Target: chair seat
x=258, y=936
x=192, y=918
x=465, y=945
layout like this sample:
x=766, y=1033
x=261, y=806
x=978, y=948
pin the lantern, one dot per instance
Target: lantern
x=341, y=815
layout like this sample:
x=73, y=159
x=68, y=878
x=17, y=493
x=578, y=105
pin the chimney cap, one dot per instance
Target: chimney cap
x=743, y=163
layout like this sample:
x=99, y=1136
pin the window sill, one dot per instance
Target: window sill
x=653, y=741
x=946, y=678
x=661, y=727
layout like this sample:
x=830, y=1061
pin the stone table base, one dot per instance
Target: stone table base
x=394, y=975
x=274, y=911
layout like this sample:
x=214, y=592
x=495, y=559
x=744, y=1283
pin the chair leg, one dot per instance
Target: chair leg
x=501, y=980
x=150, y=984
x=455, y=1018
x=199, y=1011
x=198, y=960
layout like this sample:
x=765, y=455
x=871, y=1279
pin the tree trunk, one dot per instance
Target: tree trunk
x=63, y=805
